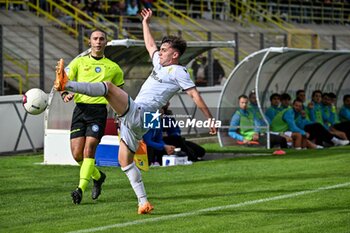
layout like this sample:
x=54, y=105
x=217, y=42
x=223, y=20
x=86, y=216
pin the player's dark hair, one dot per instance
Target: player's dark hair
x=274, y=95
x=285, y=96
x=345, y=97
x=98, y=30
x=242, y=96
x=325, y=94
x=300, y=91
x=297, y=100
x=315, y=92
x=332, y=95
x=176, y=43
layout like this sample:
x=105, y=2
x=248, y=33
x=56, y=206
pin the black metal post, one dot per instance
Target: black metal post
x=80, y=39
x=41, y=58
x=285, y=41
x=115, y=33
x=236, y=48
x=262, y=40
x=334, y=42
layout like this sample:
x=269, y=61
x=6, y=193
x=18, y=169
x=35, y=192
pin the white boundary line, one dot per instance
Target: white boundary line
x=246, y=203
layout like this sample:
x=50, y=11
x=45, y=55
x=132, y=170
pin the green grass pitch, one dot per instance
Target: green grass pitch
x=303, y=191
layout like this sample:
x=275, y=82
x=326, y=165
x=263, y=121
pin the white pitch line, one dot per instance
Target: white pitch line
x=246, y=203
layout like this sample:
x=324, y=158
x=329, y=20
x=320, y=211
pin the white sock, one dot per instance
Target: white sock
x=134, y=175
x=90, y=89
x=335, y=140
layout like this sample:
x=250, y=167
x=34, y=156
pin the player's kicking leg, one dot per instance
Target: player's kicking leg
x=115, y=96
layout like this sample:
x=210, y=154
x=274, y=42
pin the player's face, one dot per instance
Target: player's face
x=297, y=106
x=168, y=55
x=252, y=99
x=302, y=96
x=347, y=102
x=285, y=103
x=317, y=98
x=243, y=103
x=275, y=101
x=98, y=43
x=327, y=101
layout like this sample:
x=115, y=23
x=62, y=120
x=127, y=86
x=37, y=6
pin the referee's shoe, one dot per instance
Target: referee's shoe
x=77, y=196
x=96, y=189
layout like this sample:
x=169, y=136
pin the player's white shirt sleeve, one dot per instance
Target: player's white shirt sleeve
x=176, y=73
x=162, y=84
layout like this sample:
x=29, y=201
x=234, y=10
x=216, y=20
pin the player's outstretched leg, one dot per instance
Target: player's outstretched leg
x=97, y=188
x=62, y=83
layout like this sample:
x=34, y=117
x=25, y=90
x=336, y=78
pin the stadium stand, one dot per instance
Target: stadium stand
x=253, y=24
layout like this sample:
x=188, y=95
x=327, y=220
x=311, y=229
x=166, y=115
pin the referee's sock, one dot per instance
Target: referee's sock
x=86, y=170
x=96, y=175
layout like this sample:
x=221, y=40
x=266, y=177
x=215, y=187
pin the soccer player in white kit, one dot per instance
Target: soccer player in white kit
x=166, y=79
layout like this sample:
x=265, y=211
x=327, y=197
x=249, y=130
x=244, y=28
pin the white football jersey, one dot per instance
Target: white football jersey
x=162, y=84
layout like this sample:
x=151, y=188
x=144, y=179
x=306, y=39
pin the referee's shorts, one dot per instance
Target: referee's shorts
x=89, y=120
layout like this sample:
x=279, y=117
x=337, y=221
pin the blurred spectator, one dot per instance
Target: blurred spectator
x=344, y=113
x=89, y=8
x=218, y=72
x=199, y=71
x=97, y=7
x=65, y=18
x=147, y=3
x=132, y=9
x=122, y=7
x=113, y=12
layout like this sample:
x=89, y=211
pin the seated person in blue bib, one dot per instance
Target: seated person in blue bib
x=244, y=127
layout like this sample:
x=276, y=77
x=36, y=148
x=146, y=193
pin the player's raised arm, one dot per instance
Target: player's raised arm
x=150, y=44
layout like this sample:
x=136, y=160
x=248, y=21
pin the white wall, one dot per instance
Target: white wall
x=10, y=126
